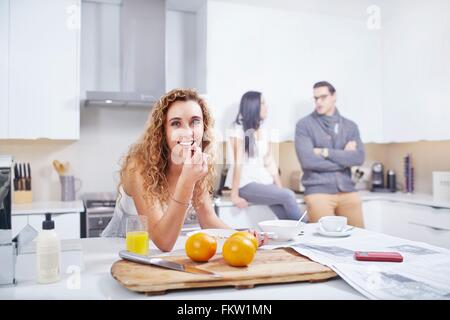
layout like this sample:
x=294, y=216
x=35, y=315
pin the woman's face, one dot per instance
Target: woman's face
x=184, y=128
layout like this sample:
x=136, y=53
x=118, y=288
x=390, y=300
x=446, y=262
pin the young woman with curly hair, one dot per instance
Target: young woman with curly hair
x=169, y=171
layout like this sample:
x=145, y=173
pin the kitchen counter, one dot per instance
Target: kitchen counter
x=415, y=198
x=96, y=282
x=43, y=207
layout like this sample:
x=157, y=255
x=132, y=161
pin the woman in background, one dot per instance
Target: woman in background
x=253, y=175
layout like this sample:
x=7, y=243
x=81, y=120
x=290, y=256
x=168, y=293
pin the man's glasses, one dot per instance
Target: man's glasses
x=322, y=97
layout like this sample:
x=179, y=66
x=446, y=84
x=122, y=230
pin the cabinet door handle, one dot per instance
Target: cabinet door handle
x=430, y=227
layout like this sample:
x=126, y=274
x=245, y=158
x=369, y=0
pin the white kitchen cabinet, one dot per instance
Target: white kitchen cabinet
x=394, y=216
x=428, y=224
x=67, y=225
x=245, y=218
x=4, y=67
x=372, y=216
x=435, y=236
x=18, y=222
x=43, y=69
x=409, y=221
x=416, y=71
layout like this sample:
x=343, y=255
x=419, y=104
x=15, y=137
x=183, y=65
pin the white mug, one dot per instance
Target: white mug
x=333, y=223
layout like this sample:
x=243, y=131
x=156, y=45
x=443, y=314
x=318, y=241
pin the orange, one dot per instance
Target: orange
x=238, y=251
x=248, y=235
x=200, y=247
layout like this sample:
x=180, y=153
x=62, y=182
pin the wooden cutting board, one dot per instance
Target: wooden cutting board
x=268, y=266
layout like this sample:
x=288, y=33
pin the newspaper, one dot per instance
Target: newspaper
x=423, y=274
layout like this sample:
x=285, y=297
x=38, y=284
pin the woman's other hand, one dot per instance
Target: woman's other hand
x=262, y=239
x=239, y=202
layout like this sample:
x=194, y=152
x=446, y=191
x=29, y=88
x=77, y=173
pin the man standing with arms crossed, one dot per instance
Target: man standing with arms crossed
x=327, y=146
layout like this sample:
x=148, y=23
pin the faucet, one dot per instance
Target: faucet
x=8, y=247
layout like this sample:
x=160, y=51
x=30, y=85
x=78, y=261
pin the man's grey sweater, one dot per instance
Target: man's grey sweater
x=331, y=175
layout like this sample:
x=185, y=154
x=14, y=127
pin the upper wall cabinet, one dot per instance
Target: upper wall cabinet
x=43, y=69
x=416, y=72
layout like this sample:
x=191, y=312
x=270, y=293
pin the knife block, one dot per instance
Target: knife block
x=22, y=197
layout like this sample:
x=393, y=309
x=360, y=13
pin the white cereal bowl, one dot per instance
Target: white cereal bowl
x=284, y=229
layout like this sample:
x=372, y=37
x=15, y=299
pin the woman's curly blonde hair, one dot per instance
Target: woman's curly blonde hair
x=150, y=154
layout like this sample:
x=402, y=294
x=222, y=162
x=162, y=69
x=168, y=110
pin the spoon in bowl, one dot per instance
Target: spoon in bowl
x=301, y=218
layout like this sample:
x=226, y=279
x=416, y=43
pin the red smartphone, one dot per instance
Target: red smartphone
x=378, y=256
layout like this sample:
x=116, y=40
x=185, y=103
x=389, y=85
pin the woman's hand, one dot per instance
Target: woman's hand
x=239, y=202
x=195, y=167
x=262, y=239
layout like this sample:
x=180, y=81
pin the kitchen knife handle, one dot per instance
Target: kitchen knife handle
x=29, y=176
x=19, y=179
x=24, y=177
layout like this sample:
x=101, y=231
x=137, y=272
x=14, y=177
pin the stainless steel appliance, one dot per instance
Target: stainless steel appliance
x=99, y=211
x=378, y=181
x=134, y=34
x=124, y=254
x=377, y=176
x=8, y=247
x=391, y=179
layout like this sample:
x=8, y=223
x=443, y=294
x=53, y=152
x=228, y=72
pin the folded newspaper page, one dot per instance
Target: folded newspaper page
x=423, y=274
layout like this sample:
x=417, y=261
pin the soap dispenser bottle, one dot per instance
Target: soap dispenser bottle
x=48, y=252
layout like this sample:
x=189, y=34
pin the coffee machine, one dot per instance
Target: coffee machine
x=378, y=183
x=8, y=247
x=377, y=176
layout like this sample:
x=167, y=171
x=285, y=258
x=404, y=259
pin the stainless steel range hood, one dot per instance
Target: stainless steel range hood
x=123, y=53
x=119, y=99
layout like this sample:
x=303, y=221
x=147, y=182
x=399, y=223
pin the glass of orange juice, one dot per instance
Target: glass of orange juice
x=137, y=234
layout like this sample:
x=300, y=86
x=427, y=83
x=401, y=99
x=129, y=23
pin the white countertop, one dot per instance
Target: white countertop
x=42, y=207
x=96, y=281
x=414, y=198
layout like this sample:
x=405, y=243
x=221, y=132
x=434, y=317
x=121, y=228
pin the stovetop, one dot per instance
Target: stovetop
x=100, y=203
x=99, y=199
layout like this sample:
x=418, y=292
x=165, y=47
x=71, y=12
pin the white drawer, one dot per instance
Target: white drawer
x=372, y=214
x=429, y=234
x=417, y=223
x=431, y=217
x=394, y=218
x=67, y=225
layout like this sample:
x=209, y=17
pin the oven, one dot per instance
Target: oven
x=99, y=211
x=8, y=249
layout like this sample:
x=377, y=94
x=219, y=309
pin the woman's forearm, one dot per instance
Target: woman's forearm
x=213, y=221
x=167, y=229
x=236, y=180
x=207, y=216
